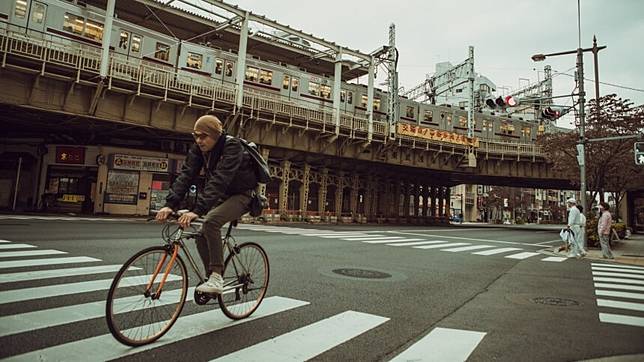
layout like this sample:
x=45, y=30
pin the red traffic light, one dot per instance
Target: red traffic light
x=550, y=113
x=511, y=101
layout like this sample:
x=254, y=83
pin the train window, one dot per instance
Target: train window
x=409, y=112
x=325, y=91
x=74, y=24
x=363, y=101
x=525, y=131
x=162, y=52
x=219, y=66
x=124, y=40
x=38, y=13
x=350, y=97
x=449, y=119
x=252, y=74
x=266, y=77
x=136, y=43
x=194, y=60
x=314, y=88
x=487, y=125
x=507, y=128
x=21, y=9
x=462, y=121
x=427, y=116
x=376, y=104
x=295, y=84
x=343, y=95
x=286, y=82
x=229, y=68
x=94, y=30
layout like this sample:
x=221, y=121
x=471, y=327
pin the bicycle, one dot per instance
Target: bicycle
x=148, y=293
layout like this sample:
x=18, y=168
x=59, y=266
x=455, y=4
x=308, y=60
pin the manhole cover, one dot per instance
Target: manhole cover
x=361, y=273
x=559, y=302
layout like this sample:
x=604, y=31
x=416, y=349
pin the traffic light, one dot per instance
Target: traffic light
x=502, y=102
x=551, y=113
x=638, y=149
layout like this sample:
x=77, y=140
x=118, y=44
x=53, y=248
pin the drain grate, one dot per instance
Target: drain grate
x=361, y=273
x=559, y=302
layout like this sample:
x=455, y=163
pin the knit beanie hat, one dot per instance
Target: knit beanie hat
x=209, y=125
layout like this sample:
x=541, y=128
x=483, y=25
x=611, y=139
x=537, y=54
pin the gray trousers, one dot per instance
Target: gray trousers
x=604, y=241
x=210, y=246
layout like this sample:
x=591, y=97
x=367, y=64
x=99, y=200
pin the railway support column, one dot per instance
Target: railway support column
x=337, y=82
x=433, y=194
x=322, y=193
x=339, y=193
x=304, y=189
x=448, y=201
x=241, y=62
x=355, y=184
x=370, y=98
x=283, y=202
x=262, y=187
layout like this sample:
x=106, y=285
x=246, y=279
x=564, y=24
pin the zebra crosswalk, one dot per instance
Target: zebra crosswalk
x=299, y=344
x=414, y=242
x=620, y=293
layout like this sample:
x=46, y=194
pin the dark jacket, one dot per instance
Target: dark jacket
x=228, y=171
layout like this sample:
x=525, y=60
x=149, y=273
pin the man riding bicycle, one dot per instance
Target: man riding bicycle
x=230, y=181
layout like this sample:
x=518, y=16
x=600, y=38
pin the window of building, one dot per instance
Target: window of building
x=314, y=88
x=484, y=88
x=124, y=40
x=325, y=91
x=409, y=112
x=162, y=52
x=459, y=90
x=194, y=60
x=94, y=30
x=266, y=77
x=229, y=68
x=462, y=121
x=295, y=84
x=219, y=66
x=252, y=74
x=136, y=43
x=37, y=13
x=462, y=104
x=68, y=185
x=286, y=82
x=427, y=116
x=21, y=9
x=343, y=96
x=74, y=24
x=349, y=97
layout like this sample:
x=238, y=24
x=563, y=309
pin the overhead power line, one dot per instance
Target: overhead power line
x=608, y=84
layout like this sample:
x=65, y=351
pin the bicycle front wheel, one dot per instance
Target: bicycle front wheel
x=138, y=310
x=246, y=274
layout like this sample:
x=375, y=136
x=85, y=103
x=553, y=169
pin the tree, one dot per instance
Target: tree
x=609, y=164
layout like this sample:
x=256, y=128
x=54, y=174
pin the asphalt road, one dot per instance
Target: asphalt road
x=447, y=293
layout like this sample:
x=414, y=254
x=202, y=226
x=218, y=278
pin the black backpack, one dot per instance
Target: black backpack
x=262, y=171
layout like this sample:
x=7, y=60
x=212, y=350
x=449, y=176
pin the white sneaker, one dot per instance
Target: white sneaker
x=214, y=285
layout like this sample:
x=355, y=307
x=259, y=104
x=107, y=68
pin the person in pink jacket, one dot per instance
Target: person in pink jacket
x=603, y=230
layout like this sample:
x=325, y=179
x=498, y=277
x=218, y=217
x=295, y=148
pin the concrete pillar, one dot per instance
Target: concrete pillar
x=339, y=193
x=433, y=194
x=283, y=202
x=322, y=191
x=304, y=189
x=241, y=62
x=396, y=198
x=355, y=185
x=262, y=187
x=440, y=198
x=407, y=192
x=107, y=36
x=417, y=192
x=426, y=201
x=448, y=191
x=375, y=202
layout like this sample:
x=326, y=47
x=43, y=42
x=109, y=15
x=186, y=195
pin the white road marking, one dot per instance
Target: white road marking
x=618, y=266
x=438, y=246
x=340, y=236
x=50, y=261
x=18, y=295
x=11, y=254
x=618, y=280
x=464, y=238
x=57, y=273
x=467, y=248
x=16, y=246
x=621, y=275
x=556, y=259
x=389, y=241
x=621, y=319
x=619, y=286
x=40, y=319
x=420, y=243
x=307, y=342
x=610, y=293
x=4, y=241
x=621, y=305
x=621, y=270
x=363, y=238
x=521, y=256
x=105, y=347
x=496, y=251
x=442, y=345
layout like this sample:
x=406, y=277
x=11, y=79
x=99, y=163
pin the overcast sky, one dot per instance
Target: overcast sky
x=505, y=34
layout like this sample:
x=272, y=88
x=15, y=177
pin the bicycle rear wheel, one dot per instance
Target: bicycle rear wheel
x=137, y=311
x=246, y=274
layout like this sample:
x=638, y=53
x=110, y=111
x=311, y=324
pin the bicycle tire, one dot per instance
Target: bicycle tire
x=236, y=301
x=129, y=310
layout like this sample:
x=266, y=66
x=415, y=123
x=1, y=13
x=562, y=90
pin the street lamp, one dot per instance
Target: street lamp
x=582, y=102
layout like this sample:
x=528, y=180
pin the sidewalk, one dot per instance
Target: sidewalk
x=626, y=251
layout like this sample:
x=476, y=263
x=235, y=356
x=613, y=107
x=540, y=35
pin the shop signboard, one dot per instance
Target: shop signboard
x=139, y=163
x=70, y=155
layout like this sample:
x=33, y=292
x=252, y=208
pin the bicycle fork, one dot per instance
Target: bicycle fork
x=157, y=294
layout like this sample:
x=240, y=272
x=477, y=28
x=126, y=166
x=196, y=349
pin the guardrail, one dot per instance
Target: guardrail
x=84, y=58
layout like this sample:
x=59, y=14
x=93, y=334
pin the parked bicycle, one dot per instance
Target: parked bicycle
x=149, y=291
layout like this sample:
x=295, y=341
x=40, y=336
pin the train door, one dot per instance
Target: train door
x=218, y=73
x=290, y=86
x=38, y=13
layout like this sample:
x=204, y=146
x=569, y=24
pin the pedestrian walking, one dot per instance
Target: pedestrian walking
x=574, y=222
x=581, y=238
x=603, y=230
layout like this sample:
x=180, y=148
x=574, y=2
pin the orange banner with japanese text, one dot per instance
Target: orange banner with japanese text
x=436, y=135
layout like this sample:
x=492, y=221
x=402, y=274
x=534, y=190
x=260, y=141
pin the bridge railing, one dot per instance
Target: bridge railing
x=85, y=58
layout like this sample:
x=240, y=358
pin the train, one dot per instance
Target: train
x=74, y=23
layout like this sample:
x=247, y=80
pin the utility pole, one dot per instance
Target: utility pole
x=392, y=111
x=596, y=64
x=582, y=128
